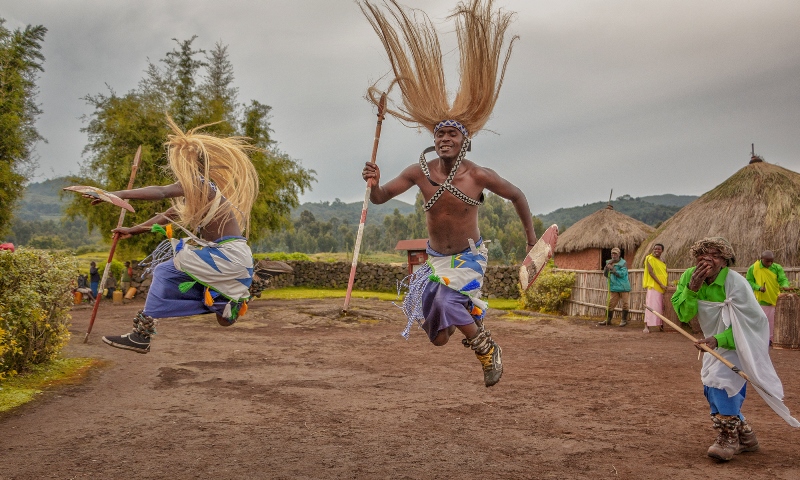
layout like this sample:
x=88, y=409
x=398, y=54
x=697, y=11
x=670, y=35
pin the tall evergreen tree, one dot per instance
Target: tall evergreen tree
x=20, y=63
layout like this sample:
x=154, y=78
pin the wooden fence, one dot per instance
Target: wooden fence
x=590, y=291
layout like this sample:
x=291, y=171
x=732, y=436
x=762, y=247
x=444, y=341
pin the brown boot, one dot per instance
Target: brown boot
x=727, y=443
x=747, y=438
x=607, y=321
x=624, y=318
x=489, y=354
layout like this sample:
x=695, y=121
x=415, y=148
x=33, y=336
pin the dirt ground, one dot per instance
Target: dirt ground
x=294, y=391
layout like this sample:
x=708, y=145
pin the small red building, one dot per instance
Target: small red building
x=416, y=252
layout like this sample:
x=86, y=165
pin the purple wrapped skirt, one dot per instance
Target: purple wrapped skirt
x=164, y=299
x=444, y=307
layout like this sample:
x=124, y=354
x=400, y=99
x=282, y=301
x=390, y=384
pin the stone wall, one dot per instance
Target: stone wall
x=500, y=282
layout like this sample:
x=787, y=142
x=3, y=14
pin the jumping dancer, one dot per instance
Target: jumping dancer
x=210, y=269
x=444, y=295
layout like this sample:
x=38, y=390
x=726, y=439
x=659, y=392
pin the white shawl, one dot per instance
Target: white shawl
x=751, y=335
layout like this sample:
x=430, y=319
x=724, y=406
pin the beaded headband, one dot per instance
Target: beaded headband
x=451, y=123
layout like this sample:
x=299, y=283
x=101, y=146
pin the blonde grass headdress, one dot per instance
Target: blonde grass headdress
x=416, y=59
x=194, y=157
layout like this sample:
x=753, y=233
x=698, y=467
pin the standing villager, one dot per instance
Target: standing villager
x=619, y=287
x=210, y=269
x=732, y=322
x=445, y=294
x=654, y=281
x=126, y=278
x=94, y=278
x=767, y=279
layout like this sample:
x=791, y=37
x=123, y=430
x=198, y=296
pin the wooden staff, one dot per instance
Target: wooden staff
x=710, y=350
x=381, y=115
x=114, y=240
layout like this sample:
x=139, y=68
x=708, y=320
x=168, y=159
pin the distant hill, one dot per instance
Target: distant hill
x=351, y=212
x=41, y=202
x=651, y=210
x=669, y=199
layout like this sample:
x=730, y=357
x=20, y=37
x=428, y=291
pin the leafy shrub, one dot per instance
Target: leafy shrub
x=283, y=257
x=549, y=292
x=35, y=298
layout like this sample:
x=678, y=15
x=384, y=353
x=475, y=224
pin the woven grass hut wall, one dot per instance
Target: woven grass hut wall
x=588, y=243
x=756, y=209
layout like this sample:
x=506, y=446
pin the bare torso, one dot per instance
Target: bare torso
x=451, y=222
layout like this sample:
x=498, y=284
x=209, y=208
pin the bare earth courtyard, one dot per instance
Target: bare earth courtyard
x=294, y=391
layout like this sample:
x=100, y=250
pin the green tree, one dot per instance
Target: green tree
x=194, y=92
x=20, y=63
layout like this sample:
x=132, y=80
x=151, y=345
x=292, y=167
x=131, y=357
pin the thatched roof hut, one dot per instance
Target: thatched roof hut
x=588, y=242
x=756, y=209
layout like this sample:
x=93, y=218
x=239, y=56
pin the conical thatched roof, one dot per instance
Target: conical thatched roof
x=756, y=209
x=605, y=228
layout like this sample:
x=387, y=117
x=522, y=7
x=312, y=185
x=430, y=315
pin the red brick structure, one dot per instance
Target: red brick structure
x=589, y=259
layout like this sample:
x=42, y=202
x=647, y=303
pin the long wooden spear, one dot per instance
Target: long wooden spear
x=710, y=350
x=381, y=115
x=114, y=241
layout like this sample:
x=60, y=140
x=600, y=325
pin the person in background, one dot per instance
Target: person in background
x=767, y=279
x=654, y=281
x=125, y=280
x=94, y=278
x=619, y=287
x=83, y=287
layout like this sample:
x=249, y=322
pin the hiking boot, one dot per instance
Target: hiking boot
x=492, y=364
x=727, y=443
x=130, y=341
x=747, y=439
x=624, y=318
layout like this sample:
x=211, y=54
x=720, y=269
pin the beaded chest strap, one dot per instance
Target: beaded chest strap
x=447, y=185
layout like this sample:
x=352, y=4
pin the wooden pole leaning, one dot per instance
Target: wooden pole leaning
x=708, y=349
x=357, y=247
x=114, y=241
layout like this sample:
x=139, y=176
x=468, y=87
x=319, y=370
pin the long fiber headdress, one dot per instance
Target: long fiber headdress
x=224, y=161
x=411, y=42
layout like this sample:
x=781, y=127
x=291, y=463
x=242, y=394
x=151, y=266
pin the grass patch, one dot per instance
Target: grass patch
x=504, y=303
x=297, y=293
x=22, y=389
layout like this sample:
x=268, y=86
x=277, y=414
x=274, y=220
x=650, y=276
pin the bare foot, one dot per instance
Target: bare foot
x=646, y=330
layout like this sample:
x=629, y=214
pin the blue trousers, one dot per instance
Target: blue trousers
x=722, y=404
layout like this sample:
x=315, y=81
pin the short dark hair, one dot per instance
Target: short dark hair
x=659, y=245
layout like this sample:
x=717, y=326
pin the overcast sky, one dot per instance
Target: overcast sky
x=639, y=96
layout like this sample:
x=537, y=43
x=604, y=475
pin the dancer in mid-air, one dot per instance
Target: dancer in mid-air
x=444, y=295
x=209, y=270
